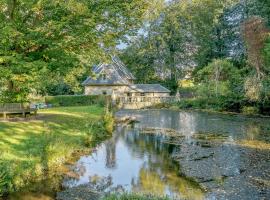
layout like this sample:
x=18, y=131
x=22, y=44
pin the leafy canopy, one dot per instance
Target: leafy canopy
x=43, y=39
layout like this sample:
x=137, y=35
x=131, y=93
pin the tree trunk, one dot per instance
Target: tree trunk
x=11, y=9
x=10, y=86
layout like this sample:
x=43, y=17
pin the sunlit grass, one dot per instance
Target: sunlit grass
x=29, y=149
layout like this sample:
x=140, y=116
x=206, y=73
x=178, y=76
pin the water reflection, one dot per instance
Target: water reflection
x=235, y=126
x=136, y=162
x=152, y=163
x=110, y=154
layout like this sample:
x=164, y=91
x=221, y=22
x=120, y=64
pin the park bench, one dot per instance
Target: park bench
x=16, y=108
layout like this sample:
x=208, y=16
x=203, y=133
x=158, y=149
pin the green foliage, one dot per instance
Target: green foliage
x=131, y=196
x=266, y=55
x=75, y=100
x=47, y=41
x=206, y=34
x=185, y=33
x=222, y=103
x=95, y=134
x=46, y=144
x=5, y=178
x=219, y=78
x=221, y=81
x=108, y=121
x=250, y=110
x=59, y=88
x=196, y=103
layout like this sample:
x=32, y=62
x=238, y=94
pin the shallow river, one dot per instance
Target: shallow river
x=184, y=155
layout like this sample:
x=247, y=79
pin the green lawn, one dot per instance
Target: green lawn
x=31, y=149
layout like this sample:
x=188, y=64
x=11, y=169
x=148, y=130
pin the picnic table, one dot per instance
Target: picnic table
x=16, y=108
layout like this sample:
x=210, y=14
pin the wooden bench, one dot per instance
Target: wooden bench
x=16, y=108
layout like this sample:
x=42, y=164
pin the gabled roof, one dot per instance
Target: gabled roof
x=122, y=69
x=149, y=88
x=116, y=74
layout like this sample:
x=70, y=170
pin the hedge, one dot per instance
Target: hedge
x=75, y=100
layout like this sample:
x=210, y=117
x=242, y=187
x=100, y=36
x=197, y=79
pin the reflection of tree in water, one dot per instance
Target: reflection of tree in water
x=189, y=123
x=147, y=144
x=110, y=146
x=110, y=154
x=166, y=182
x=159, y=174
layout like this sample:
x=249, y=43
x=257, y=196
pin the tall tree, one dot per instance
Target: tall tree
x=41, y=38
x=255, y=34
x=186, y=34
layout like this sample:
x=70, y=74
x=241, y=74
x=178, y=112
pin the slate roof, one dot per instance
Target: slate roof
x=116, y=74
x=149, y=88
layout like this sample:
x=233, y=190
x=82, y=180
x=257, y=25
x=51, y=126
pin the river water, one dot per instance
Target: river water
x=183, y=155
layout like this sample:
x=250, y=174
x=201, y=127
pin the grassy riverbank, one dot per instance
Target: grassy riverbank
x=34, y=149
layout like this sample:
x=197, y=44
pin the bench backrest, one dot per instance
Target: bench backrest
x=13, y=106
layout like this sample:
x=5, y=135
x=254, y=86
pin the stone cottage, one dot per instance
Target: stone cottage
x=116, y=80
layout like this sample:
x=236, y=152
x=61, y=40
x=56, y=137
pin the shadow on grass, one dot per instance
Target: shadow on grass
x=33, y=151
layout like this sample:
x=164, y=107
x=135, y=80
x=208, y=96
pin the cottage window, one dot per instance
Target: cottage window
x=142, y=94
x=104, y=92
x=103, y=76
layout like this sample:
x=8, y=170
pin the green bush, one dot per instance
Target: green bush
x=5, y=179
x=160, y=106
x=95, y=134
x=132, y=196
x=108, y=121
x=188, y=92
x=196, y=103
x=76, y=100
x=250, y=110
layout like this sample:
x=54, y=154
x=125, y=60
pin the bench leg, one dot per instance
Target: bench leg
x=5, y=115
x=24, y=114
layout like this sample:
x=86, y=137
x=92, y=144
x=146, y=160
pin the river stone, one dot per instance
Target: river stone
x=227, y=171
x=82, y=192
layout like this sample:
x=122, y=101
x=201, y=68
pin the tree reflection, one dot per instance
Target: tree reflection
x=160, y=174
x=110, y=147
x=110, y=154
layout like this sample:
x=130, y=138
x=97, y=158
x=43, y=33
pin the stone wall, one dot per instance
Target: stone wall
x=119, y=91
x=109, y=90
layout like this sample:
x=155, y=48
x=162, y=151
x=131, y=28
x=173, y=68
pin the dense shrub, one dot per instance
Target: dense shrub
x=232, y=103
x=250, y=110
x=5, y=179
x=264, y=107
x=127, y=196
x=195, y=103
x=95, y=134
x=108, y=121
x=187, y=92
x=76, y=100
x=222, y=103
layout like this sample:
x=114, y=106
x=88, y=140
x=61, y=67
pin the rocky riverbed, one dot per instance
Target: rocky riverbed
x=226, y=170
